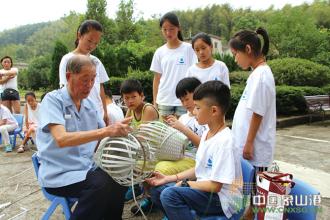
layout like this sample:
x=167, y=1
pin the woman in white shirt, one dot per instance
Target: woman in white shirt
x=8, y=81
x=170, y=63
x=207, y=68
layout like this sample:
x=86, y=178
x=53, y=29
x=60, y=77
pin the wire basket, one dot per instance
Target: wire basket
x=166, y=142
x=125, y=159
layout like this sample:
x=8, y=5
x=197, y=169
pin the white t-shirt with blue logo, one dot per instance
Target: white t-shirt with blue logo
x=172, y=64
x=218, y=71
x=259, y=96
x=218, y=160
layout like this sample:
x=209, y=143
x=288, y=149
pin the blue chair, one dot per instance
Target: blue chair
x=248, y=174
x=66, y=203
x=300, y=190
x=17, y=131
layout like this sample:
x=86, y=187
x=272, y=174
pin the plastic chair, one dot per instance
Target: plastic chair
x=65, y=202
x=303, y=192
x=248, y=174
x=17, y=131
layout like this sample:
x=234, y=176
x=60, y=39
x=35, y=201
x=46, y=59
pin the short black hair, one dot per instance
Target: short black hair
x=216, y=91
x=186, y=85
x=30, y=94
x=108, y=92
x=131, y=85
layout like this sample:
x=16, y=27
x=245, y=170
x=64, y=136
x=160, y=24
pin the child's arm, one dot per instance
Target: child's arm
x=206, y=186
x=175, y=123
x=155, y=86
x=160, y=179
x=3, y=122
x=253, y=129
x=102, y=94
x=26, y=116
x=149, y=114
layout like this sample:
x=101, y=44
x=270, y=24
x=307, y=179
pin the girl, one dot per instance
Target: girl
x=31, y=112
x=254, y=121
x=169, y=64
x=88, y=36
x=207, y=68
x=7, y=124
x=8, y=81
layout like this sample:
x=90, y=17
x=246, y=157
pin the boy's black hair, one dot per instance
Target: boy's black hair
x=131, y=85
x=31, y=94
x=186, y=85
x=216, y=91
x=108, y=93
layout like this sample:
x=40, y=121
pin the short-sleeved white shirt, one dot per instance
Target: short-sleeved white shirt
x=12, y=83
x=218, y=160
x=172, y=64
x=101, y=77
x=115, y=113
x=218, y=71
x=6, y=114
x=191, y=122
x=259, y=97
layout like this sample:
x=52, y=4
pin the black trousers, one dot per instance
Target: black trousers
x=99, y=196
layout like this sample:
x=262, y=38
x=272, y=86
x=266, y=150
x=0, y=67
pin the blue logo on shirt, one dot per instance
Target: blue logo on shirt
x=181, y=61
x=209, y=163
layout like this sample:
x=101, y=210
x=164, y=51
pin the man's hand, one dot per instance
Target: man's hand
x=120, y=128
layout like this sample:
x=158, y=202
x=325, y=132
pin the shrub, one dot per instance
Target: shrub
x=229, y=60
x=290, y=100
x=239, y=77
x=299, y=72
x=236, y=92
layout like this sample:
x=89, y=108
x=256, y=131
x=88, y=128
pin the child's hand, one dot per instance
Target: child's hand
x=174, y=122
x=248, y=151
x=157, y=179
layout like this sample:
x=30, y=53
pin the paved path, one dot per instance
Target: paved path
x=302, y=150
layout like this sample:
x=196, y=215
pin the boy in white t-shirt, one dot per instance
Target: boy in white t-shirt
x=115, y=113
x=214, y=186
x=7, y=124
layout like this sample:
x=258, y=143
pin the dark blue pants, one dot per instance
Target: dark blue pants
x=99, y=196
x=177, y=202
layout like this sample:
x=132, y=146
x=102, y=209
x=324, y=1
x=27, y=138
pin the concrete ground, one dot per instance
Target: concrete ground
x=302, y=150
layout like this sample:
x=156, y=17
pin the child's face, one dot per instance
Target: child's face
x=170, y=31
x=89, y=41
x=133, y=100
x=31, y=101
x=202, y=50
x=242, y=59
x=188, y=102
x=202, y=111
x=6, y=63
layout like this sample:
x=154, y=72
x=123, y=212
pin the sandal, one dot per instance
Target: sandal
x=20, y=149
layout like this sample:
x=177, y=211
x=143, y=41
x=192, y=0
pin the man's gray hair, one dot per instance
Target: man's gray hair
x=76, y=62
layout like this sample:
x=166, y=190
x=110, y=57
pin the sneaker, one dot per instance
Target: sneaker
x=20, y=149
x=145, y=204
x=129, y=193
x=8, y=148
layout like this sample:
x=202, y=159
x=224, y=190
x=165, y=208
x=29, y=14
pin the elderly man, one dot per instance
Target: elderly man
x=69, y=131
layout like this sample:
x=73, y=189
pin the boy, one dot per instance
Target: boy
x=188, y=125
x=115, y=113
x=7, y=124
x=132, y=93
x=214, y=186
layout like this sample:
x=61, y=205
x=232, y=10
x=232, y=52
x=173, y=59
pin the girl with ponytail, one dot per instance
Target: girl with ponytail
x=254, y=121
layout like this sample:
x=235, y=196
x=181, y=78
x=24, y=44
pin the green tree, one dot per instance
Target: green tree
x=37, y=73
x=126, y=27
x=59, y=51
